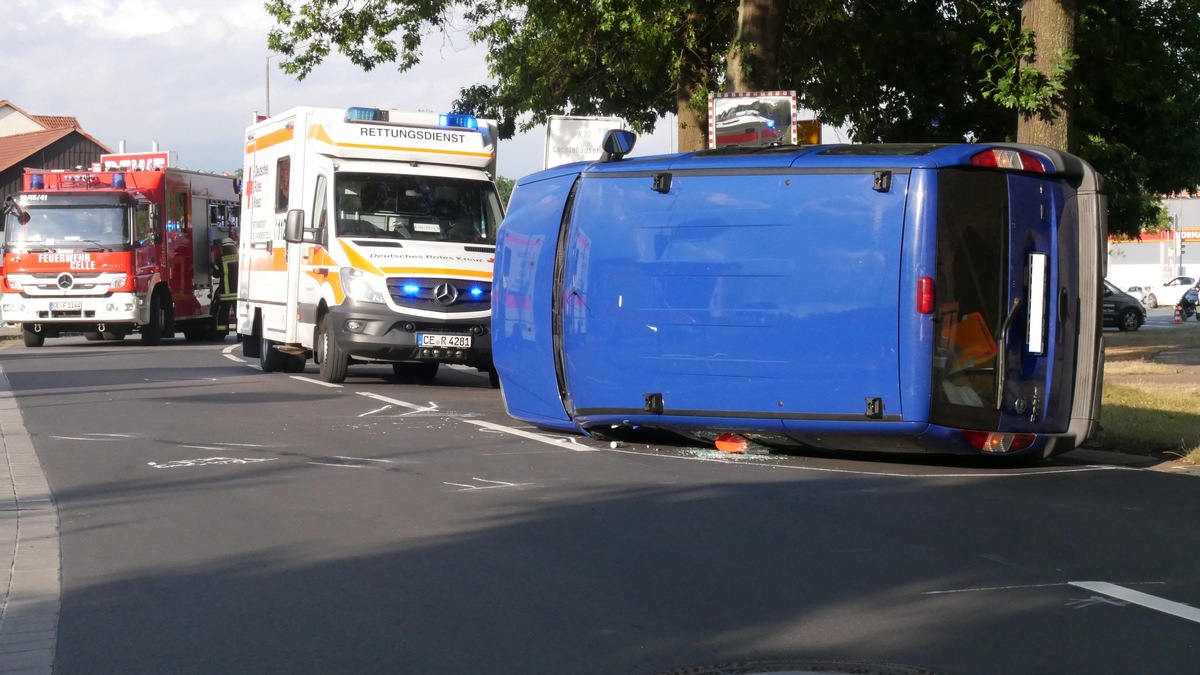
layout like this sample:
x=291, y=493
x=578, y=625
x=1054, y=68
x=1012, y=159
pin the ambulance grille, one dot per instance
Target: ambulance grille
x=441, y=295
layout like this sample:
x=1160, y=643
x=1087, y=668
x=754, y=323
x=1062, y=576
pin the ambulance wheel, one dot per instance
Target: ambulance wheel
x=294, y=363
x=93, y=336
x=152, y=332
x=333, y=360
x=270, y=359
x=32, y=338
x=422, y=371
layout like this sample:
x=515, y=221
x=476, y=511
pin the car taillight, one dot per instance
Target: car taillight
x=995, y=442
x=1004, y=158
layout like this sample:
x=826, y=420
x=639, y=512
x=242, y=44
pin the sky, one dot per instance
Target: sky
x=190, y=75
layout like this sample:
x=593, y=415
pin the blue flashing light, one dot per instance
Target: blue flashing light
x=410, y=289
x=476, y=292
x=37, y=181
x=118, y=181
x=770, y=124
x=457, y=120
x=358, y=114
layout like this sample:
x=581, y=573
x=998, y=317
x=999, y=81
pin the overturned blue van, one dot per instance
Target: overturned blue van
x=899, y=298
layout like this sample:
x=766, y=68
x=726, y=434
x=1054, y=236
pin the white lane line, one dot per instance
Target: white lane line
x=495, y=484
x=233, y=358
x=228, y=351
x=404, y=404
x=363, y=459
x=981, y=589
x=312, y=381
x=377, y=410
x=1138, y=598
x=567, y=443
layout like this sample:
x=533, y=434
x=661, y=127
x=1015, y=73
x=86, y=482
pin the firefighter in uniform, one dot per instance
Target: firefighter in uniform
x=225, y=271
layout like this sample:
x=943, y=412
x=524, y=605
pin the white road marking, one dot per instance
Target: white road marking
x=228, y=351
x=92, y=437
x=549, y=440
x=377, y=410
x=1144, y=599
x=233, y=358
x=403, y=404
x=210, y=461
x=311, y=380
x=992, y=588
x=362, y=459
x=494, y=485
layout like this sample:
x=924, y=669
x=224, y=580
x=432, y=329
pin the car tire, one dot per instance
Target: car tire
x=1151, y=302
x=1129, y=320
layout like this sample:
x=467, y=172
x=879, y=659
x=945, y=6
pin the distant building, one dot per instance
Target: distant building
x=1159, y=256
x=42, y=142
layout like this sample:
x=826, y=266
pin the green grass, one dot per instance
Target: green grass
x=1150, y=408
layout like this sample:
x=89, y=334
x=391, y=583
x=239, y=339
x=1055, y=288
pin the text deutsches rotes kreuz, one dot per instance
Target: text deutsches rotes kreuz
x=77, y=261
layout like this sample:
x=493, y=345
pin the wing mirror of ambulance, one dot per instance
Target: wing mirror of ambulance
x=293, y=232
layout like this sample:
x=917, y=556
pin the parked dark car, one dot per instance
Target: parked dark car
x=1122, y=310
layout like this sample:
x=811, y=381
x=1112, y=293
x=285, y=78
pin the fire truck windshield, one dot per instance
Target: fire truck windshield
x=68, y=227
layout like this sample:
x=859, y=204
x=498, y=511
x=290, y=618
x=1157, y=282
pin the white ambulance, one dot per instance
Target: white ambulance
x=368, y=236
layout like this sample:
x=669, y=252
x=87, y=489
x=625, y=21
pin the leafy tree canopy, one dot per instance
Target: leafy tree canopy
x=892, y=70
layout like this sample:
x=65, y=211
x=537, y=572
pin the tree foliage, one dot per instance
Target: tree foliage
x=891, y=70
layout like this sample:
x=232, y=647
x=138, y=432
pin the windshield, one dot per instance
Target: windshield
x=431, y=208
x=60, y=226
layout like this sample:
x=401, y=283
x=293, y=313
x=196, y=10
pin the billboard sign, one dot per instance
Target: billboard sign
x=576, y=139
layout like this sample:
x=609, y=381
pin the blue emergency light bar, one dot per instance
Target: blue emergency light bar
x=365, y=115
x=118, y=181
x=456, y=120
x=37, y=181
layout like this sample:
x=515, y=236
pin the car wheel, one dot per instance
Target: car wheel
x=1129, y=320
x=1151, y=301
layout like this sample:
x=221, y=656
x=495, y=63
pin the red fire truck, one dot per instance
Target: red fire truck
x=105, y=253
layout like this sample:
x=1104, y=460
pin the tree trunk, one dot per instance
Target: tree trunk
x=1053, y=24
x=753, y=59
x=692, y=78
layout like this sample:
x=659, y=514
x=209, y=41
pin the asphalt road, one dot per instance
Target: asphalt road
x=215, y=519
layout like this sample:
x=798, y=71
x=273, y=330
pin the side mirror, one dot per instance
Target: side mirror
x=293, y=232
x=617, y=143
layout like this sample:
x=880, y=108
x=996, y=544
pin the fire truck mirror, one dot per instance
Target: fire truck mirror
x=294, y=233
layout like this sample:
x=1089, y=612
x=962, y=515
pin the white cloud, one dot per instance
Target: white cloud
x=191, y=77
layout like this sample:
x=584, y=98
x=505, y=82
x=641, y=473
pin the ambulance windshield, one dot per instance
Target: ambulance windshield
x=78, y=226
x=429, y=208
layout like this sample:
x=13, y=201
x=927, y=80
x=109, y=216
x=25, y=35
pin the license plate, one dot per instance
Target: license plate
x=435, y=340
x=66, y=304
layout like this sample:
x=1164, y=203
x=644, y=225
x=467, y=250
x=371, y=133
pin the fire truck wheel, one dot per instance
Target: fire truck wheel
x=333, y=360
x=113, y=335
x=33, y=338
x=152, y=332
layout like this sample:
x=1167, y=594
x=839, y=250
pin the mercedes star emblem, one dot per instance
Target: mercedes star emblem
x=445, y=294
